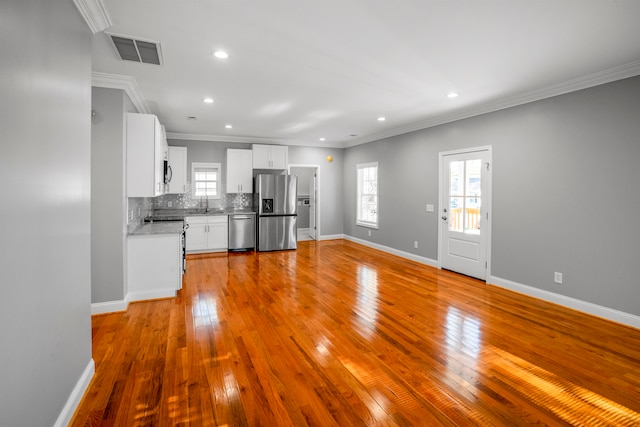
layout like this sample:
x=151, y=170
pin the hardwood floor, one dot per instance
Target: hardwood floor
x=338, y=334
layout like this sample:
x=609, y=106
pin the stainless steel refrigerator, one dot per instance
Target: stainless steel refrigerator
x=275, y=203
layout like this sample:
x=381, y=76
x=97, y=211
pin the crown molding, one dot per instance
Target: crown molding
x=94, y=14
x=584, y=82
x=246, y=140
x=130, y=86
x=126, y=83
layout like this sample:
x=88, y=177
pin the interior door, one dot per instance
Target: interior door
x=312, y=207
x=465, y=196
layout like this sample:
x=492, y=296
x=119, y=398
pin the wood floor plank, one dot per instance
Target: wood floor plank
x=338, y=334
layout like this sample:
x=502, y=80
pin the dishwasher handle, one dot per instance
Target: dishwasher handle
x=236, y=217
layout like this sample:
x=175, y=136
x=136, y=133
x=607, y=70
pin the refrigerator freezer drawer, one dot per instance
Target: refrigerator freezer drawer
x=277, y=232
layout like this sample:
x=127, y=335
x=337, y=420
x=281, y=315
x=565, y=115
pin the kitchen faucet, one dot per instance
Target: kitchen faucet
x=206, y=209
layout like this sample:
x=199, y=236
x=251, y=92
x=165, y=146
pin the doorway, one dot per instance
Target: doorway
x=465, y=204
x=308, y=200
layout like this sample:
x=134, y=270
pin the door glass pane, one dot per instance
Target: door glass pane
x=472, y=179
x=456, y=178
x=472, y=217
x=473, y=193
x=456, y=220
x=465, y=196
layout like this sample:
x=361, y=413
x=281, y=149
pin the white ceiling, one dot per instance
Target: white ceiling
x=301, y=70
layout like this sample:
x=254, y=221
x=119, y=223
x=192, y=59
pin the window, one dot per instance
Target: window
x=367, y=213
x=465, y=196
x=205, y=180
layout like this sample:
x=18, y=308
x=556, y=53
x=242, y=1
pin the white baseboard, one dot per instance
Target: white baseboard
x=155, y=294
x=76, y=396
x=121, y=305
x=569, y=302
x=331, y=237
x=403, y=254
x=303, y=235
x=109, y=306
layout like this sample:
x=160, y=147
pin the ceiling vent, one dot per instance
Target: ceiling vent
x=136, y=50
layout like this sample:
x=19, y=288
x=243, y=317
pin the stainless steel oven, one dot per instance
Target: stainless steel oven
x=183, y=240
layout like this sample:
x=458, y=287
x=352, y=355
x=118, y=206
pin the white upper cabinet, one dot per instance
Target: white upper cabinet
x=146, y=153
x=177, y=170
x=270, y=156
x=165, y=144
x=239, y=171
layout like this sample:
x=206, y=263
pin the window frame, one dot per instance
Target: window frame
x=218, y=181
x=359, y=221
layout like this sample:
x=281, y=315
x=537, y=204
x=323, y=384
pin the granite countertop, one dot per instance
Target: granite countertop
x=150, y=228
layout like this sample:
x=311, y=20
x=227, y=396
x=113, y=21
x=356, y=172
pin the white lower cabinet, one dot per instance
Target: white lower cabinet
x=207, y=233
x=154, y=266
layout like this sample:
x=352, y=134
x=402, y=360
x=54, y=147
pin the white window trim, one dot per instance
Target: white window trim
x=359, y=222
x=217, y=166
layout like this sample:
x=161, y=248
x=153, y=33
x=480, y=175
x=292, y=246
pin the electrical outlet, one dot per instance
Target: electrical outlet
x=557, y=277
x=415, y=244
x=430, y=208
x=169, y=204
x=369, y=231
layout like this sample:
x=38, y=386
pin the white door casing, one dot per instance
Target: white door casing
x=312, y=206
x=314, y=199
x=465, y=204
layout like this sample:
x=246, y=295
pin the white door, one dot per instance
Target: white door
x=312, y=207
x=465, y=200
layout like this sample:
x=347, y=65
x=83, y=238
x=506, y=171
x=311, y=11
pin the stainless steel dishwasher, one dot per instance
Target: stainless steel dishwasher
x=242, y=232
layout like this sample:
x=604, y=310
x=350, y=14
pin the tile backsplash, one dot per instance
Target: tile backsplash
x=141, y=207
x=137, y=209
x=185, y=201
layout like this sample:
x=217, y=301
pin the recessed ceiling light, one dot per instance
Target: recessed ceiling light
x=452, y=95
x=323, y=139
x=191, y=117
x=221, y=54
x=382, y=119
x=228, y=126
x=208, y=100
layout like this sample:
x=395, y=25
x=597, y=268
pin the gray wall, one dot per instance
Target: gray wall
x=109, y=198
x=45, y=104
x=565, y=184
x=331, y=177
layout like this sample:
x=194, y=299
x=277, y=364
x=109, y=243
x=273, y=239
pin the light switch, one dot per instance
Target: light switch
x=430, y=208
